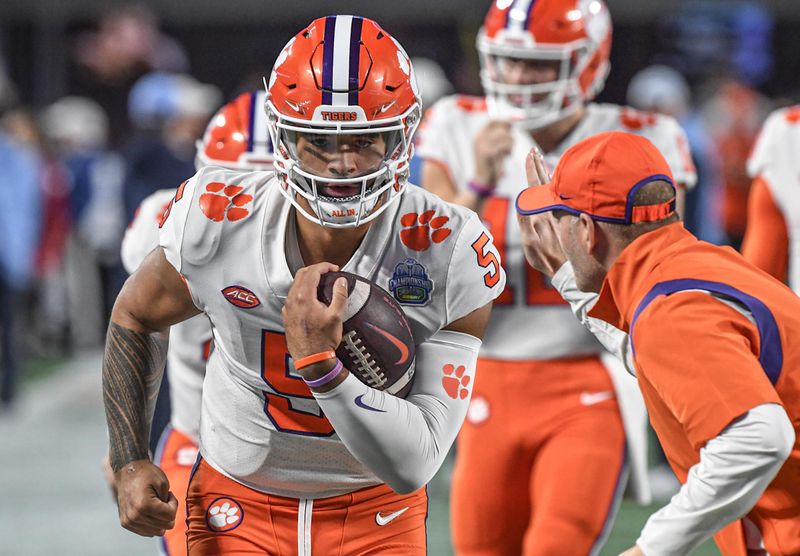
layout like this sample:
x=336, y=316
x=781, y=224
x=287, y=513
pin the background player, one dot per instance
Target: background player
x=544, y=417
x=771, y=241
x=237, y=137
x=315, y=459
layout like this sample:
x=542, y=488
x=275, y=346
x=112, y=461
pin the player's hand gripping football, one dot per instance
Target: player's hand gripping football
x=539, y=239
x=146, y=505
x=492, y=145
x=311, y=326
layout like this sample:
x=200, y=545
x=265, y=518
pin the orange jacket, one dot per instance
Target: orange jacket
x=701, y=363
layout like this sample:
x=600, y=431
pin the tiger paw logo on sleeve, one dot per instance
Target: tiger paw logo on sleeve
x=222, y=201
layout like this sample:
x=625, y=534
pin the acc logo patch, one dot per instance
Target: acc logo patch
x=241, y=297
x=410, y=284
x=224, y=514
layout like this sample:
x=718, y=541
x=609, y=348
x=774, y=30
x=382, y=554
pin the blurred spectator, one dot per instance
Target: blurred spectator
x=732, y=115
x=48, y=333
x=20, y=201
x=169, y=113
x=433, y=85
x=78, y=129
x=664, y=90
x=126, y=45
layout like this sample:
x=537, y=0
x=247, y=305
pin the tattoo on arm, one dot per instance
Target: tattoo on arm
x=132, y=367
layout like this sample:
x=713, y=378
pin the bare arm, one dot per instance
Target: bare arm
x=436, y=180
x=153, y=298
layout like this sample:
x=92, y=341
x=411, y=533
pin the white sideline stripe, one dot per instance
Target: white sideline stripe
x=341, y=59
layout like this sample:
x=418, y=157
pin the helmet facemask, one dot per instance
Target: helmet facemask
x=304, y=150
x=535, y=105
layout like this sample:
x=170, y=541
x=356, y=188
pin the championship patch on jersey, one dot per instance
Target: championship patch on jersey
x=410, y=283
x=224, y=514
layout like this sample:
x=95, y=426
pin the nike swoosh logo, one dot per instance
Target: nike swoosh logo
x=386, y=107
x=360, y=403
x=591, y=398
x=563, y=198
x=395, y=341
x=383, y=520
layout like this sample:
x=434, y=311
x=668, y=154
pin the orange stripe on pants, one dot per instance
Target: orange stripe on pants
x=226, y=517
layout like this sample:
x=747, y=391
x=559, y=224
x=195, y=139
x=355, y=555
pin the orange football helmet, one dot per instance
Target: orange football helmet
x=340, y=79
x=574, y=34
x=237, y=136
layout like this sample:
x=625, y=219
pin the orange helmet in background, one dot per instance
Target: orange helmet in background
x=237, y=136
x=343, y=75
x=575, y=34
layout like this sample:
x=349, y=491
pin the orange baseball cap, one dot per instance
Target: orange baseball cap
x=599, y=177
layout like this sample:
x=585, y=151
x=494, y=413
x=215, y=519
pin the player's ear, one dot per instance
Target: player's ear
x=586, y=232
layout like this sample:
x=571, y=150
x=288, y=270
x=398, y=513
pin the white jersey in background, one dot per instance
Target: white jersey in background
x=190, y=340
x=530, y=321
x=231, y=235
x=775, y=159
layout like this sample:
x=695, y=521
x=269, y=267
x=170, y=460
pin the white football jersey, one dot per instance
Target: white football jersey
x=529, y=320
x=190, y=340
x=227, y=235
x=775, y=160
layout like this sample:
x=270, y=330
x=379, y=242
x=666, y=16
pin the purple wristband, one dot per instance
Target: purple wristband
x=325, y=379
x=480, y=189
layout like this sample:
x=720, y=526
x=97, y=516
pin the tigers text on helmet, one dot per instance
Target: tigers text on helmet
x=237, y=136
x=343, y=105
x=573, y=36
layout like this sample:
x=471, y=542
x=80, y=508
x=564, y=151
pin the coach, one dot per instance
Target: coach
x=714, y=343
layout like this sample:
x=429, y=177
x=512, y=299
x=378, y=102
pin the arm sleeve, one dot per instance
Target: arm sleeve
x=141, y=237
x=405, y=441
x=734, y=470
x=611, y=337
x=766, y=239
x=716, y=378
x=475, y=275
x=671, y=140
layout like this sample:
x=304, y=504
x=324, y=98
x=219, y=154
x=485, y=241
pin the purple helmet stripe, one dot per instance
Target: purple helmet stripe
x=251, y=131
x=327, y=59
x=355, y=60
x=528, y=15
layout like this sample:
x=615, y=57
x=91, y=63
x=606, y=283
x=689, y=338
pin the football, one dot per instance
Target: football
x=377, y=343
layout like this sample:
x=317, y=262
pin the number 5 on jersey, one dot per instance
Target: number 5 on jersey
x=290, y=406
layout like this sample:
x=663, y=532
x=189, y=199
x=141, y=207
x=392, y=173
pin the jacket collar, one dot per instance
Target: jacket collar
x=633, y=273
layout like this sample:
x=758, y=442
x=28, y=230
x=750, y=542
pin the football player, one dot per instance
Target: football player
x=296, y=454
x=773, y=212
x=544, y=420
x=236, y=137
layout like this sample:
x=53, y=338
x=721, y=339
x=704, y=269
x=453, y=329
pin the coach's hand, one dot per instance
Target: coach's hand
x=311, y=326
x=146, y=505
x=539, y=239
x=635, y=551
